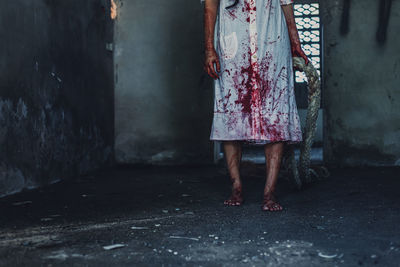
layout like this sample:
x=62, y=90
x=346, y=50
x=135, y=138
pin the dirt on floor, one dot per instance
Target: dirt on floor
x=174, y=216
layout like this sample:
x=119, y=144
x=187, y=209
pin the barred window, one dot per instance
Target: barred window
x=308, y=24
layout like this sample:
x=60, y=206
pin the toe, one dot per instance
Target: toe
x=235, y=203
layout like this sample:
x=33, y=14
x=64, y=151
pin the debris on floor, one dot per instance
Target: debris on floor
x=183, y=237
x=327, y=256
x=139, y=228
x=22, y=203
x=115, y=246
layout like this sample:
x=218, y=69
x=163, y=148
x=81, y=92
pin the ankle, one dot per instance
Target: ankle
x=236, y=183
x=269, y=194
x=269, y=189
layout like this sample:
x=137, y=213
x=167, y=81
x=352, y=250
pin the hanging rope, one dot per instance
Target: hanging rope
x=301, y=170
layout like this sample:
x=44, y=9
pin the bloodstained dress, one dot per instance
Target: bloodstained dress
x=254, y=96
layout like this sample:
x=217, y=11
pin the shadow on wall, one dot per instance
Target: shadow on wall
x=56, y=91
x=163, y=100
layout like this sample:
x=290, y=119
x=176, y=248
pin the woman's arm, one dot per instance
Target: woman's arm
x=211, y=56
x=297, y=51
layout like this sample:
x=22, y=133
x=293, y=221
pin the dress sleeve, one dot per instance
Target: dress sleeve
x=286, y=2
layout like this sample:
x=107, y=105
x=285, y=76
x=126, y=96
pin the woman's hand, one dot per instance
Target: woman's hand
x=297, y=51
x=211, y=58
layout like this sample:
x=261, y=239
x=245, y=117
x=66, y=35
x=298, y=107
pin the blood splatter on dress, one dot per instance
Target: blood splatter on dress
x=254, y=96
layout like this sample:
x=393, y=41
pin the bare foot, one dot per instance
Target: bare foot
x=270, y=203
x=236, y=198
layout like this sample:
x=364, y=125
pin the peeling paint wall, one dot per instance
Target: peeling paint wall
x=163, y=100
x=362, y=87
x=56, y=91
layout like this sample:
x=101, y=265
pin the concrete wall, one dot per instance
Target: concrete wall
x=362, y=87
x=163, y=99
x=56, y=91
x=56, y=87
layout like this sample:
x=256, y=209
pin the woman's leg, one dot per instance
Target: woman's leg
x=273, y=158
x=233, y=155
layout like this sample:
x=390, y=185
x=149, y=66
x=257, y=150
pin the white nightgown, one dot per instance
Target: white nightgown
x=254, y=96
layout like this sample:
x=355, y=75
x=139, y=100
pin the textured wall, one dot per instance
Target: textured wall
x=362, y=87
x=163, y=101
x=56, y=91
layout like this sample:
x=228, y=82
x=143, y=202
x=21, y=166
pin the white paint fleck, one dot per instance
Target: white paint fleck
x=115, y=246
x=327, y=256
x=61, y=255
x=139, y=228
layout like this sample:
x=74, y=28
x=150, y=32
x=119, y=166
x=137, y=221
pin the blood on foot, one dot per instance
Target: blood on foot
x=270, y=204
x=236, y=198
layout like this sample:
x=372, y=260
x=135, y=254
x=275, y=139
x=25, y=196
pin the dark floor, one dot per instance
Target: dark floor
x=349, y=219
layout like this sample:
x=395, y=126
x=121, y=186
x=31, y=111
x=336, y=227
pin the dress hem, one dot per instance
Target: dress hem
x=260, y=141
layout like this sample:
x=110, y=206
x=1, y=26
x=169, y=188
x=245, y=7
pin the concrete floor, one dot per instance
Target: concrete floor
x=174, y=216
